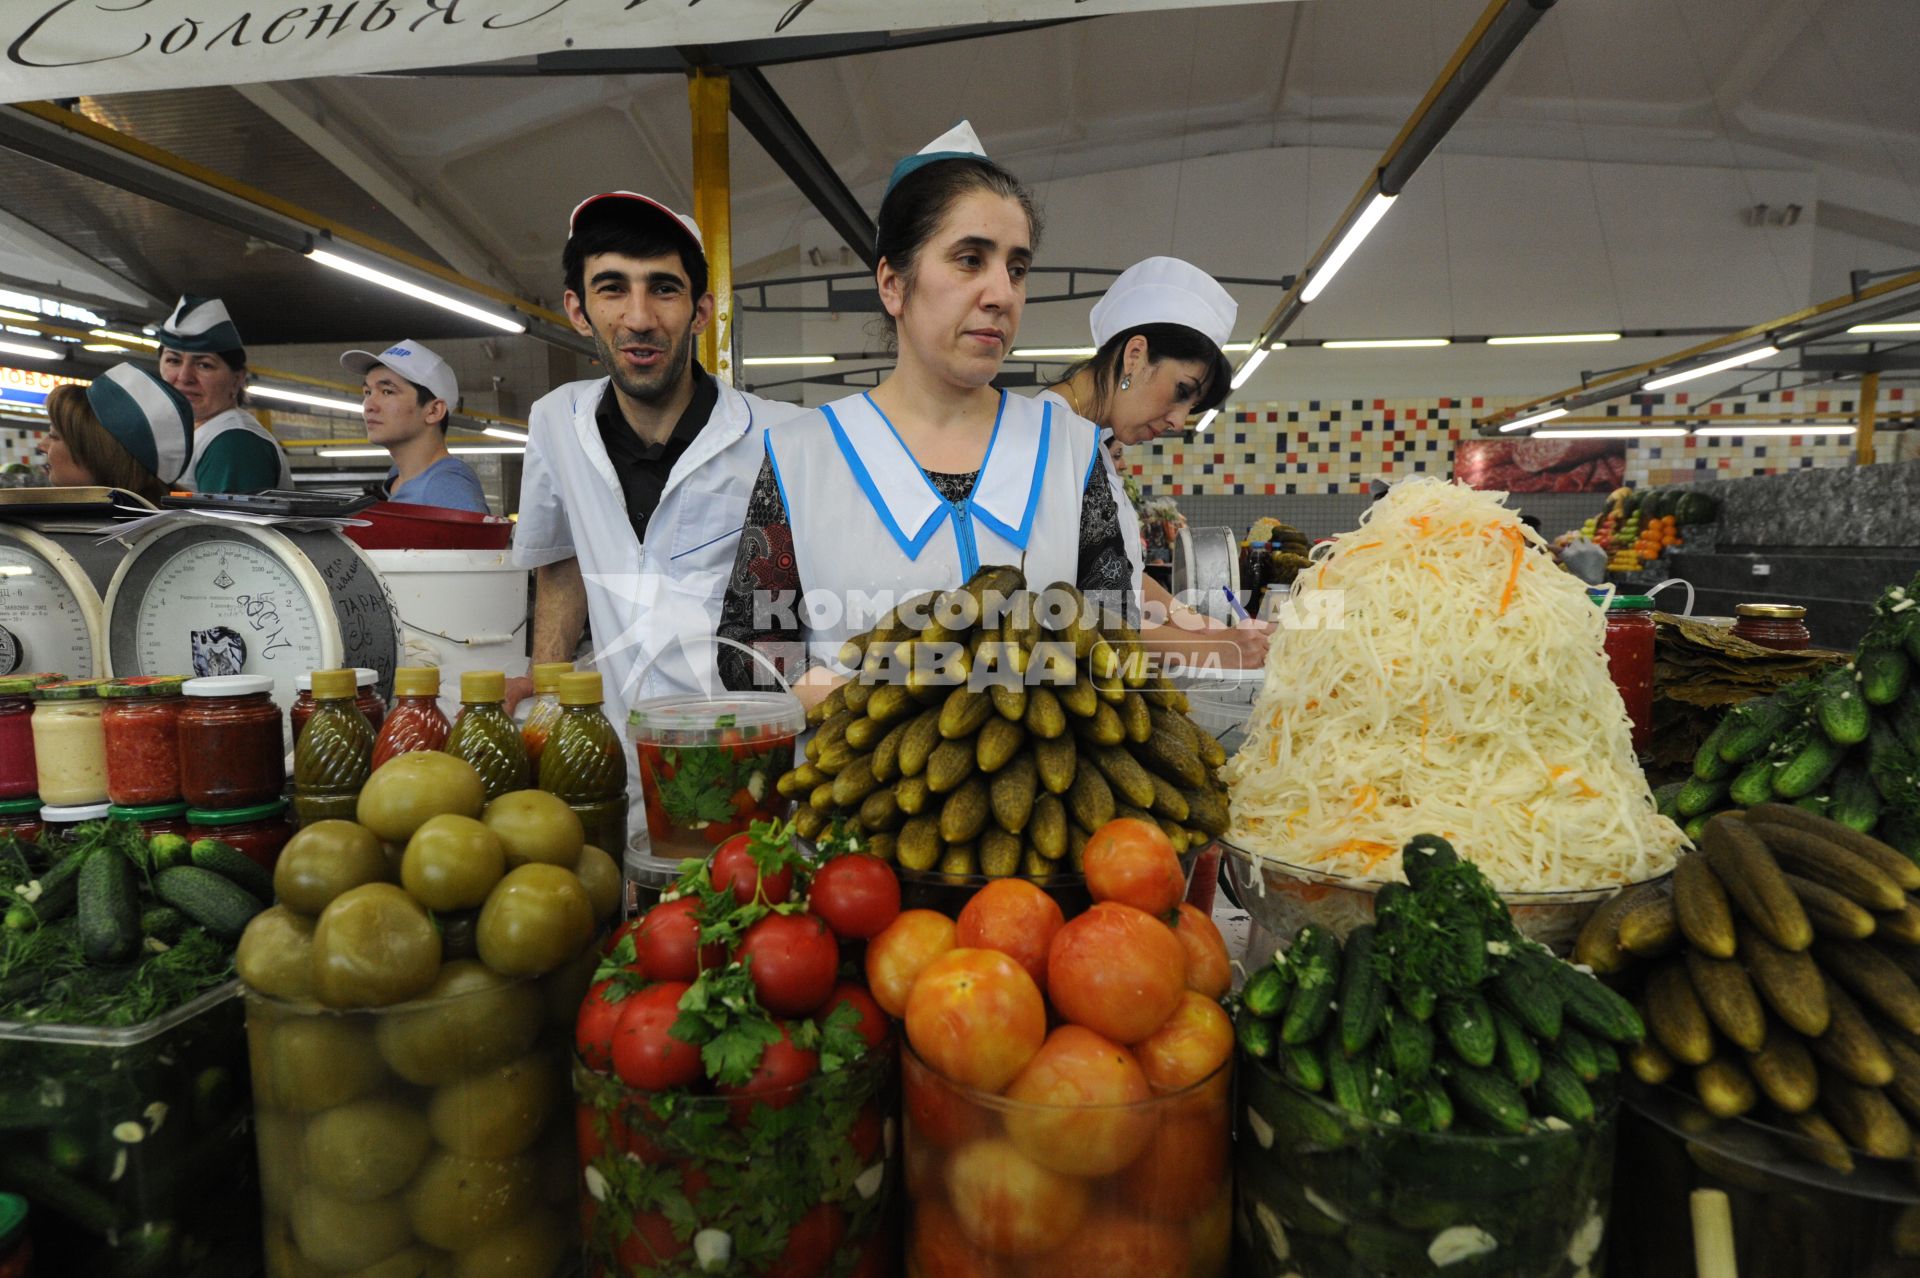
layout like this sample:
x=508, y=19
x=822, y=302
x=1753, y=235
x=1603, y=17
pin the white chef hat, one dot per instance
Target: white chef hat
x=1165, y=290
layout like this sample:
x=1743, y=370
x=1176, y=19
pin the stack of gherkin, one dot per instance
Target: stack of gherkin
x=992, y=729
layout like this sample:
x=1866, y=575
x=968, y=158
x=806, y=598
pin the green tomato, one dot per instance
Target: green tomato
x=325, y=859
x=456, y=1199
x=536, y=826
x=470, y=1019
x=536, y=919
x=452, y=862
x=365, y=1150
x=275, y=956
x=411, y=789
x=374, y=947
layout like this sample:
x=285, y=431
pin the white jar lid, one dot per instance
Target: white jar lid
x=75, y=814
x=227, y=686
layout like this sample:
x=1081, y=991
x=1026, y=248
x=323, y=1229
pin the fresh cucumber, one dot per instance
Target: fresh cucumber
x=1417, y=1001
x=1489, y=1100
x=1265, y=994
x=1363, y=998
x=232, y=864
x=1519, y=1058
x=1753, y=784
x=1300, y=1065
x=1576, y=1050
x=1255, y=1036
x=1807, y=769
x=1439, y=1105
x=1523, y=988
x=219, y=905
x=164, y=923
x=1315, y=959
x=1840, y=710
x=1856, y=804
x=1754, y=725
x=1698, y=796
x=1409, y=1045
x=1906, y=720
x=164, y=851
x=1561, y=1094
x=59, y=888
x=1607, y=1055
x=1424, y=854
x=109, y=908
x=1346, y=1079
x=1594, y=1007
x=1884, y=673
x=1697, y=825
x=1467, y=1024
x=1707, y=763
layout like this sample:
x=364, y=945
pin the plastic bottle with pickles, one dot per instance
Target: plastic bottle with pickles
x=584, y=764
x=485, y=737
x=335, y=754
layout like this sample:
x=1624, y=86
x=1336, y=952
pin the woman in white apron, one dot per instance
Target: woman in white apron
x=1160, y=333
x=914, y=485
x=202, y=358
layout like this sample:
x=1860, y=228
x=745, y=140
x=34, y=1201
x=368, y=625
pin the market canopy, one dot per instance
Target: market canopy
x=66, y=48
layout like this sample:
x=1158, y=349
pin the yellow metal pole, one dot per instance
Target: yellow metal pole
x=707, y=94
x=1869, y=412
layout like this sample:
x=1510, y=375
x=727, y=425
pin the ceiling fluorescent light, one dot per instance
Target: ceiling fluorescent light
x=1733, y=431
x=1609, y=432
x=103, y=348
x=28, y=350
x=352, y=452
x=415, y=291
x=1246, y=370
x=518, y=436
x=301, y=397
x=1885, y=328
x=1535, y=419
x=1385, y=343
x=768, y=361
x=1552, y=339
x=1361, y=228
x=1049, y=352
x=1707, y=370
x=1205, y=421
x=475, y=449
x=18, y=315
x=115, y=335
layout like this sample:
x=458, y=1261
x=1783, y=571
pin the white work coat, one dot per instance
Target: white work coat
x=1129, y=518
x=661, y=600
x=870, y=530
x=219, y=424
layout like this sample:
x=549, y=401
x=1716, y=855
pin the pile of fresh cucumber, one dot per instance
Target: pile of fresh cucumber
x=1439, y=1013
x=1844, y=744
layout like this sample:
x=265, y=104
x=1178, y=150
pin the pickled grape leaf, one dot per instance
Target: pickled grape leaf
x=700, y=791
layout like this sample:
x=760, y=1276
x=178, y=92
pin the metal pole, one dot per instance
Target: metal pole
x=1869, y=413
x=707, y=94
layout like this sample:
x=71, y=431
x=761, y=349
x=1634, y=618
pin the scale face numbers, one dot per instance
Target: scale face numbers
x=227, y=607
x=42, y=626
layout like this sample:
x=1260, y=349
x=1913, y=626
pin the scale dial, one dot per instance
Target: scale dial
x=46, y=623
x=227, y=607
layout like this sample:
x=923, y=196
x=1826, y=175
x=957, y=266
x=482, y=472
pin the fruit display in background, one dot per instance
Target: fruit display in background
x=734, y=1094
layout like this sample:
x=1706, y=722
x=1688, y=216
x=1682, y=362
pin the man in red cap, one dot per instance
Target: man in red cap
x=636, y=483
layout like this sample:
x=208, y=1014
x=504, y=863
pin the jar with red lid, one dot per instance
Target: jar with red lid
x=141, y=720
x=20, y=818
x=1629, y=648
x=1779, y=626
x=259, y=831
x=18, y=778
x=154, y=819
x=231, y=750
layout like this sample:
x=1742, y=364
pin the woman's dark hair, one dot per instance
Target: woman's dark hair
x=1164, y=341
x=94, y=448
x=235, y=359
x=913, y=210
x=621, y=232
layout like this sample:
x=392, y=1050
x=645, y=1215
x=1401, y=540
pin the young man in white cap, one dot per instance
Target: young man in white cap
x=202, y=358
x=408, y=394
x=636, y=483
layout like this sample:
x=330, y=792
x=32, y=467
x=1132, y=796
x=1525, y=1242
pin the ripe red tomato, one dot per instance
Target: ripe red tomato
x=667, y=942
x=645, y=1055
x=1010, y=1205
x=1117, y=1246
x=618, y=934
x=593, y=1028
x=774, y=1083
x=810, y=1243
x=1017, y=919
x=874, y=1025
x=1081, y=1113
x=586, y=1132
x=1209, y=967
x=858, y=895
x=976, y=1017
x=733, y=866
x=896, y=956
x=941, y=1248
x=1118, y=971
x=793, y=959
x=1195, y=1041
x=867, y=1133
x=1133, y=862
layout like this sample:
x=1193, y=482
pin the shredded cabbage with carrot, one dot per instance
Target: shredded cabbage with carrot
x=1465, y=693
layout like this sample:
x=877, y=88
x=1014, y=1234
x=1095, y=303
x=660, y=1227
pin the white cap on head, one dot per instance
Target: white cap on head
x=1165, y=290
x=686, y=225
x=415, y=363
x=958, y=143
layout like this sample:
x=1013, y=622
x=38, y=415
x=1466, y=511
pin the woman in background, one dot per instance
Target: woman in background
x=127, y=430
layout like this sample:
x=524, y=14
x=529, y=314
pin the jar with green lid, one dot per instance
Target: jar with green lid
x=585, y=764
x=141, y=720
x=335, y=755
x=20, y=817
x=485, y=737
x=69, y=744
x=259, y=831
x=153, y=818
x=543, y=710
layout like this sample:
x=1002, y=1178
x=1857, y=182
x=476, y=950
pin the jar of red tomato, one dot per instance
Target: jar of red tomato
x=17, y=776
x=1629, y=648
x=141, y=721
x=231, y=751
x=367, y=698
x=154, y=819
x=1779, y=626
x=259, y=831
x=20, y=818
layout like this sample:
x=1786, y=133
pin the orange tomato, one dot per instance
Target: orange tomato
x=1017, y=919
x=941, y=1249
x=1010, y=1205
x=1210, y=1235
x=1182, y=1169
x=895, y=957
x=1209, y=969
x=976, y=1017
x=1133, y=862
x=1080, y=1105
x=938, y=1112
x=1114, y=1246
x=1195, y=1041
x=1118, y=971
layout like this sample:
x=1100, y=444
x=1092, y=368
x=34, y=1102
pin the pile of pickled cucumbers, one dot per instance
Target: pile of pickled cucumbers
x=1439, y=1015
x=106, y=928
x=1844, y=744
x=1779, y=976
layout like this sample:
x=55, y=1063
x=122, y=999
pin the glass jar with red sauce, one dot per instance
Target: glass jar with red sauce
x=154, y=819
x=367, y=698
x=1629, y=648
x=231, y=750
x=1778, y=626
x=259, y=831
x=18, y=779
x=141, y=720
x=20, y=817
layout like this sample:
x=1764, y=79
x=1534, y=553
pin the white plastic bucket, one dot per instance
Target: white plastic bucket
x=459, y=610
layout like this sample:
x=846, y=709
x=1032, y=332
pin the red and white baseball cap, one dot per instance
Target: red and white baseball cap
x=686, y=225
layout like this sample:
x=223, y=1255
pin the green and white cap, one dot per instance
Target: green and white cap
x=200, y=326
x=958, y=143
x=147, y=417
